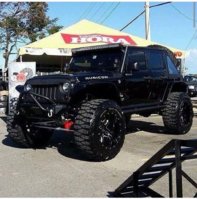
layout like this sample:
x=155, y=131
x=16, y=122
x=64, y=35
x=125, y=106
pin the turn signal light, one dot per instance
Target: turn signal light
x=178, y=54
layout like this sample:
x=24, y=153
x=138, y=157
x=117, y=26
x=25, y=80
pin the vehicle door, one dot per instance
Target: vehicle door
x=159, y=74
x=137, y=88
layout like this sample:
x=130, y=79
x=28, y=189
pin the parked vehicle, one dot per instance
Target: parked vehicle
x=3, y=96
x=191, y=80
x=94, y=99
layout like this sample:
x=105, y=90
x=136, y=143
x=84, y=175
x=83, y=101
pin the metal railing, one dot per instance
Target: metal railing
x=164, y=161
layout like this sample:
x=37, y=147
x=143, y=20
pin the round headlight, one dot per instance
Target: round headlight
x=191, y=87
x=66, y=86
x=27, y=87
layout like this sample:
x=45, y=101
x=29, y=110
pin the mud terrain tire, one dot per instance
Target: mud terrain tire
x=178, y=113
x=23, y=135
x=99, y=129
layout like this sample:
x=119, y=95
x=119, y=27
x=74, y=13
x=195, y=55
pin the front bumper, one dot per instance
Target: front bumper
x=45, y=104
x=42, y=112
x=51, y=125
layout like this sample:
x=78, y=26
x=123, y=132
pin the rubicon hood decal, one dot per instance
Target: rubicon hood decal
x=96, y=77
x=97, y=38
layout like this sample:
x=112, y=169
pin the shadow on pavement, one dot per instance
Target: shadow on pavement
x=150, y=127
x=64, y=141
x=7, y=141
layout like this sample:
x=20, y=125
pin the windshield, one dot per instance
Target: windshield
x=190, y=79
x=105, y=60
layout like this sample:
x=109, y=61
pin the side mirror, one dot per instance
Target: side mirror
x=135, y=66
x=130, y=67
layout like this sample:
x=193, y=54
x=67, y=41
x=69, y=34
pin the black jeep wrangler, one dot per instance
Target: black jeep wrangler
x=96, y=96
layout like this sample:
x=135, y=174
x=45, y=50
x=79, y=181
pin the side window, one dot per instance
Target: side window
x=171, y=67
x=135, y=57
x=155, y=60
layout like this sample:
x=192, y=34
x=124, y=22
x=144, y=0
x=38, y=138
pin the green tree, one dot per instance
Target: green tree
x=38, y=24
x=23, y=22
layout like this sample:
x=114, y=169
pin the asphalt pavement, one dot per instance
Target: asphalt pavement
x=60, y=171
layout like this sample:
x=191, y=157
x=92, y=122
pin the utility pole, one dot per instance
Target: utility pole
x=194, y=14
x=147, y=20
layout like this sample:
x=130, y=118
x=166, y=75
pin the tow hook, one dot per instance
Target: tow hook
x=68, y=124
x=50, y=113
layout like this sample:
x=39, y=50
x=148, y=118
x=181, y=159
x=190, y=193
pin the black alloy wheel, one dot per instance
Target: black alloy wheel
x=186, y=114
x=109, y=128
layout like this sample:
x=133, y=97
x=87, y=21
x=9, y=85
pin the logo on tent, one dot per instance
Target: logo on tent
x=97, y=38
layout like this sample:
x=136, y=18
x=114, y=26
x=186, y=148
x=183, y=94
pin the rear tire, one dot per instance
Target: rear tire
x=20, y=132
x=99, y=129
x=178, y=113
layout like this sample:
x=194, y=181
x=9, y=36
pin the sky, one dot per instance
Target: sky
x=170, y=24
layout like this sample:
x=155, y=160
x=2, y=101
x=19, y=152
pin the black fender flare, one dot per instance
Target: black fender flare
x=179, y=87
x=104, y=90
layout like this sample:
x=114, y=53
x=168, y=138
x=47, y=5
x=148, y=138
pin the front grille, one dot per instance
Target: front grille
x=52, y=91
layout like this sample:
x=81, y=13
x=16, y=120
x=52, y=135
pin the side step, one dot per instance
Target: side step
x=141, y=107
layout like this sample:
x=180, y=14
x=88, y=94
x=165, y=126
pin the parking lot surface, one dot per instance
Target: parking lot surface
x=60, y=171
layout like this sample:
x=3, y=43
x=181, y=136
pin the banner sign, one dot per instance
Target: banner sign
x=19, y=72
x=97, y=38
x=48, y=51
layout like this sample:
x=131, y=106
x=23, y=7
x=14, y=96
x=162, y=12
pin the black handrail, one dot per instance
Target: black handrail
x=181, y=149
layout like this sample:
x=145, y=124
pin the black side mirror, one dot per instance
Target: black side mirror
x=135, y=66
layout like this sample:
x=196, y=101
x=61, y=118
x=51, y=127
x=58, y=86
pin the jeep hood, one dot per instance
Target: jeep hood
x=78, y=77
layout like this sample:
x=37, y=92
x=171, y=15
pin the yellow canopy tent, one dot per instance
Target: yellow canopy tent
x=55, y=49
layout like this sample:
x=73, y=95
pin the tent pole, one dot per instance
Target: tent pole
x=61, y=63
